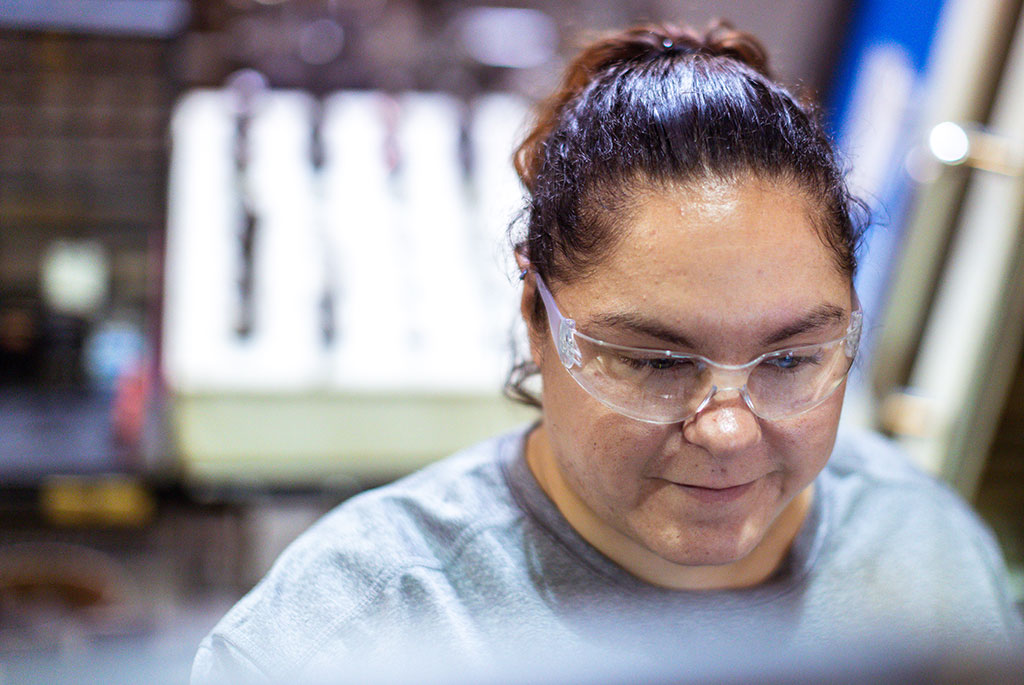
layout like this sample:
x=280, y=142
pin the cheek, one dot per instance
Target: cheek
x=805, y=443
x=599, y=452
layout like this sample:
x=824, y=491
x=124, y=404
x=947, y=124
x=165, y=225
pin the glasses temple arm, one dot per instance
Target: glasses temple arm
x=562, y=328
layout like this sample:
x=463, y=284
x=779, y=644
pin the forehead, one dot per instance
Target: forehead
x=735, y=249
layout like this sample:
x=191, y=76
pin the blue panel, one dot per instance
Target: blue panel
x=910, y=25
x=889, y=43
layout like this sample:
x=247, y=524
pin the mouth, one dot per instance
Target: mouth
x=717, y=495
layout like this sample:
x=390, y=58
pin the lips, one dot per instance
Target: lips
x=717, y=495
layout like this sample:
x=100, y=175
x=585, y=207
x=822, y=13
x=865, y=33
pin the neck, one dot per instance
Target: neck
x=753, y=569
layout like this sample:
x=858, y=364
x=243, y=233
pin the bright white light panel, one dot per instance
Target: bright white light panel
x=411, y=251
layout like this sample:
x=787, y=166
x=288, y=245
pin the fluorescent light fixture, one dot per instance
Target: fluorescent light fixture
x=949, y=143
x=146, y=18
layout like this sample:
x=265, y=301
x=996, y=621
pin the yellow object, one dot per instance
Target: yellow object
x=106, y=500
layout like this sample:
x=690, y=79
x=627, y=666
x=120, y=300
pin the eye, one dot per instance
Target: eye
x=655, y=364
x=786, y=361
x=662, y=363
x=793, y=360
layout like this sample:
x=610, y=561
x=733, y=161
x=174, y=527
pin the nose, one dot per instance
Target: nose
x=724, y=425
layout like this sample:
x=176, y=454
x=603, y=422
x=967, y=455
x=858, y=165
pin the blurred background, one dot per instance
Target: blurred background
x=253, y=260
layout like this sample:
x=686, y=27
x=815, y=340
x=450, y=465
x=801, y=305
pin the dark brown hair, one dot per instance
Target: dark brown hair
x=659, y=107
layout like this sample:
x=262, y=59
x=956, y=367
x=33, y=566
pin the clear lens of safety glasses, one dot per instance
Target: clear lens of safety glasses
x=661, y=386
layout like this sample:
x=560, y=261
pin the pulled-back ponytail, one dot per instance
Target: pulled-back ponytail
x=632, y=45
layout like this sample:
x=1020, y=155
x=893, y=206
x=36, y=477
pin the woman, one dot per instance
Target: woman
x=687, y=287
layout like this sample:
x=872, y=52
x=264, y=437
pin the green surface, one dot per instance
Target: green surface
x=295, y=439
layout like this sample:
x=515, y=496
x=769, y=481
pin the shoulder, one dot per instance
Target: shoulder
x=873, y=456
x=904, y=538
x=374, y=560
x=871, y=473
x=874, y=484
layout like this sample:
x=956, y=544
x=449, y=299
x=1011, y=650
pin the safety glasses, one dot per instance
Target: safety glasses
x=662, y=386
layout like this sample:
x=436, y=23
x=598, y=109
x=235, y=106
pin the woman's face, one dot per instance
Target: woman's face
x=725, y=266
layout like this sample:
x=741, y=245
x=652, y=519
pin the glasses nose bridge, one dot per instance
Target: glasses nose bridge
x=735, y=380
x=726, y=377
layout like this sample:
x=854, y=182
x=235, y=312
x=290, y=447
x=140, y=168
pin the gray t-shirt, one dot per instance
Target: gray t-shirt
x=469, y=557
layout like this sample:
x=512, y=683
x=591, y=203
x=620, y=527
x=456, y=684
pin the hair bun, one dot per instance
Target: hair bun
x=639, y=44
x=721, y=39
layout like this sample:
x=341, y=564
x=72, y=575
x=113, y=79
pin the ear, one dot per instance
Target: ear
x=527, y=302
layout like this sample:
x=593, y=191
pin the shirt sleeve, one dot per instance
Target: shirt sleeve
x=219, y=662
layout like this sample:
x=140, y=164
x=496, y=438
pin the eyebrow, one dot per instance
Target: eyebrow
x=820, y=317
x=645, y=326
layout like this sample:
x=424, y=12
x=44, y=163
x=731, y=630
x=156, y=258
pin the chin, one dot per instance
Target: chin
x=711, y=555
x=708, y=547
